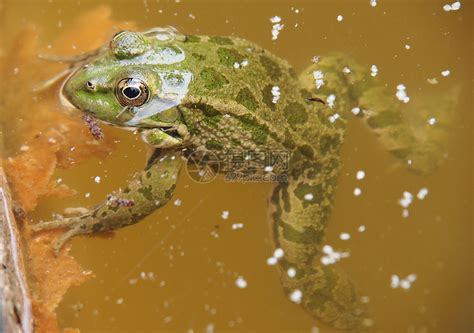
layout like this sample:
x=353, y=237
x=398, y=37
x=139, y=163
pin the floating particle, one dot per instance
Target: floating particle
x=422, y=193
x=361, y=228
x=360, y=175
x=397, y=282
x=315, y=59
x=277, y=26
x=432, y=121
x=97, y=179
x=309, y=196
x=191, y=16
x=119, y=301
x=346, y=70
x=244, y=63
x=355, y=111
x=210, y=328
x=407, y=46
x=296, y=296
x=374, y=70
x=87, y=195
x=272, y=261
x=432, y=80
x=291, y=272
x=344, y=236
x=446, y=73
x=364, y=299
x=275, y=94
x=357, y=191
x=340, y=18
x=93, y=126
x=236, y=65
x=406, y=200
x=24, y=148
x=225, y=215
x=331, y=256
x=278, y=253
x=405, y=213
x=334, y=117
x=452, y=7
x=318, y=79
x=330, y=100
x=373, y=3
x=241, y=282
x=401, y=94
x=236, y=226
x=178, y=202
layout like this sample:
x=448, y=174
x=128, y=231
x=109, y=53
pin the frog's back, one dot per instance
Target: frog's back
x=247, y=80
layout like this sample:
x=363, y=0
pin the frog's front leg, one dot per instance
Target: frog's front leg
x=149, y=190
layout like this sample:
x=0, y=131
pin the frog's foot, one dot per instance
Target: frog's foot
x=77, y=225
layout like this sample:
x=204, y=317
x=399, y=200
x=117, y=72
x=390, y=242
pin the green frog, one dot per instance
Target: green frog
x=189, y=94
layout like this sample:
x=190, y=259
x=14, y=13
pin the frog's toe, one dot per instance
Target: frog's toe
x=79, y=229
x=64, y=223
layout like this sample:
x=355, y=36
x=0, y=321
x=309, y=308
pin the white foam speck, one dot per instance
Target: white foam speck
x=357, y=191
x=97, y=179
x=446, y=73
x=241, y=282
x=344, y=236
x=360, y=175
x=422, y=193
x=296, y=296
x=340, y=18
x=309, y=196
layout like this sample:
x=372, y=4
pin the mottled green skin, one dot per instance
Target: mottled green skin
x=227, y=108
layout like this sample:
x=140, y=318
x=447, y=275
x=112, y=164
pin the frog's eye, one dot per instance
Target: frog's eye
x=132, y=92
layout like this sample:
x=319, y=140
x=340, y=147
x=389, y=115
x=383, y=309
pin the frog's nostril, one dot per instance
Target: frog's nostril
x=90, y=86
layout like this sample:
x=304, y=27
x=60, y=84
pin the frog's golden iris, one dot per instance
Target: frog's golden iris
x=132, y=92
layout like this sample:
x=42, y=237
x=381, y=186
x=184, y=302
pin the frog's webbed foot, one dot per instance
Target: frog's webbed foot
x=77, y=225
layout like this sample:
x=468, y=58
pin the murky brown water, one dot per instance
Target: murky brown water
x=170, y=273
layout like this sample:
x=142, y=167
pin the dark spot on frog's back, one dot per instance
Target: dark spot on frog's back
x=192, y=39
x=229, y=56
x=246, y=98
x=328, y=142
x=295, y=113
x=214, y=145
x=221, y=40
x=272, y=68
x=212, y=79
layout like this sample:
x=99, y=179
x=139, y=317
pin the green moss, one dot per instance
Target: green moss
x=289, y=142
x=221, y=40
x=400, y=152
x=199, y=57
x=246, y=98
x=295, y=113
x=212, y=79
x=307, y=236
x=228, y=57
x=213, y=121
x=272, y=68
x=384, y=119
x=214, y=145
x=147, y=192
x=174, y=78
x=192, y=39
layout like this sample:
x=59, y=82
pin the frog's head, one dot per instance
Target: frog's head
x=129, y=85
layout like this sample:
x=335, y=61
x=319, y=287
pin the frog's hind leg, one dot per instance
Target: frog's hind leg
x=414, y=130
x=300, y=211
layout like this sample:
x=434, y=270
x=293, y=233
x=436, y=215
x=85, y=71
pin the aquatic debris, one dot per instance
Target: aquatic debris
x=446, y=73
x=296, y=296
x=97, y=179
x=275, y=94
x=432, y=80
x=396, y=282
x=344, y=236
x=361, y=228
x=236, y=226
x=407, y=46
x=309, y=196
x=422, y=193
x=277, y=26
x=346, y=70
x=178, y=202
x=330, y=100
x=225, y=215
x=374, y=70
x=93, y=126
x=240, y=282
x=432, y=121
x=360, y=175
x=332, y=256
x=318, y=79
x=357, y=191
x=452, y=7
x=401, y=93
x=340, y=18
x=277, y=255
x=291, y=272
x=334, y=117
x=355, y=111
x=373, y=3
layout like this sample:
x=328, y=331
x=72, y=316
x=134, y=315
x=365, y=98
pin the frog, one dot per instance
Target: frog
x=196, y=94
